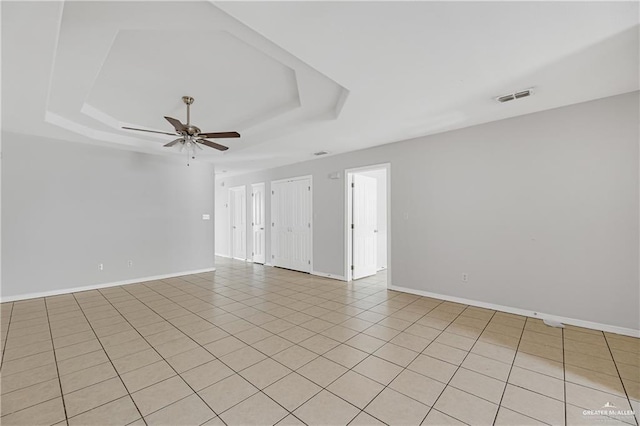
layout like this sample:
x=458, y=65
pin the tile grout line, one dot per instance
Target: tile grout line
x=161, y=356
x=509, y=375
x=6, y=339
x=372, y=354
x=499, y=345
x=554, y=377
x=216, y=358
x=55, y=360
x=35, y=384
x=290, y=412
x=405, y=368
x=110, y=361
x=458, y=368
x=362, y=410
x=237, y=372
x=325, y=388
x=624, y=388
x=564, y=376
x=334, y=325
x=269, y=357
x=341, y=343
x=193, y=295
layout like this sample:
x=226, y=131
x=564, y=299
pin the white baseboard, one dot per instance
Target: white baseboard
x=98, y=286
x=571, y=321
x=332, y=276
x=230, y=257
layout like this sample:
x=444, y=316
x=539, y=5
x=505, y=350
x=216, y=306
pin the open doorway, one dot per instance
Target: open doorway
x=367, y=221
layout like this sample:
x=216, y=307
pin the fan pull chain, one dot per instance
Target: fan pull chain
x=191, y=152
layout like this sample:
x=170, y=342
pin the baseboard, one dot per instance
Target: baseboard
x=99, y=286
x=570, y=321
x=231, y=257
x=332, y=276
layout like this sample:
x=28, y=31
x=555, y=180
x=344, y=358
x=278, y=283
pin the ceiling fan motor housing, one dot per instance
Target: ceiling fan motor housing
x=191, y=130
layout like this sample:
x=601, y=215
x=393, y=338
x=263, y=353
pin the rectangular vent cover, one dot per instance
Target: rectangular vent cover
x=513, y=96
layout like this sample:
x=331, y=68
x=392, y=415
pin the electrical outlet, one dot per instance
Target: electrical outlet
x=130, y=263
x=100, y=267
x=465, y=278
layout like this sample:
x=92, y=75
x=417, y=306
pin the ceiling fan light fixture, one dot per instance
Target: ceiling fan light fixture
x=190, y=135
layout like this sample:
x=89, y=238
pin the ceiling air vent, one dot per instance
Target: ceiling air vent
x=319, y=153
x=513, y=96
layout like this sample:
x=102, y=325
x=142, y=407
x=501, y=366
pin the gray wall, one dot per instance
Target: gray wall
x=66, y=207
x=540, y=210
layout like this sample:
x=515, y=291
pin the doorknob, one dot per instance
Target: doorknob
x=375, y=231
x=262, y=229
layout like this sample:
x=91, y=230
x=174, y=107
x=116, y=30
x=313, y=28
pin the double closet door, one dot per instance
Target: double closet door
x=291, y=224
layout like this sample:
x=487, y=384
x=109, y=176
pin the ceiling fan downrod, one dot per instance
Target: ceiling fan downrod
x=188, y=100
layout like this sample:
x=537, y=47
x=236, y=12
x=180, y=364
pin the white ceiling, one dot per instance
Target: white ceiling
x=298, y=77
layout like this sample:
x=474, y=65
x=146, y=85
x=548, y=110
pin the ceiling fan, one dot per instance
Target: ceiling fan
x=190, y=135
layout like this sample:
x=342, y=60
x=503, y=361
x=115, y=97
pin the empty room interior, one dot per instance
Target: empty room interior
x=320, y=213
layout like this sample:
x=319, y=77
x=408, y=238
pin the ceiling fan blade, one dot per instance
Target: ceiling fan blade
x=212, y=144
x=175, y=123
x=172, y=143
x=149, y=131
x=220, y=135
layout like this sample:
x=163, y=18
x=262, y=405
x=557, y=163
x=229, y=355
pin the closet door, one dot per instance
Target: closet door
x=291, y=224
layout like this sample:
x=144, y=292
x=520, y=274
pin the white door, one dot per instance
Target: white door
x=258, y=222
x=238, y=203
x=291, y=224
x=365, y=222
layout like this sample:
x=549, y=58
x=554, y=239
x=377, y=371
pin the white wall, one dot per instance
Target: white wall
x=380, y=175
x=540, y=210
x=66, y=207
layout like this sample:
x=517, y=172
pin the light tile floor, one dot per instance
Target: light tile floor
x=256, y=345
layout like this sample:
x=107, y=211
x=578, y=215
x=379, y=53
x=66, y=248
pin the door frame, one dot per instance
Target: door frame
x=242, y=188
x=264, y=214
x=291, y=179
x=348, y=212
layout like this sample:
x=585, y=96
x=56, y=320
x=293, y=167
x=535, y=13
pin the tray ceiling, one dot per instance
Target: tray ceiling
x=298, y=77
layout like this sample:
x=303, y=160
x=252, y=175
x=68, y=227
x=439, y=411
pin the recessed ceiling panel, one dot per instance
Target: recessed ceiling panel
x=147, y=71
